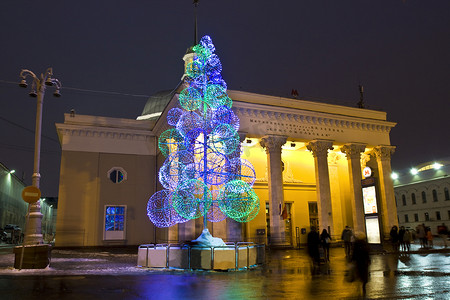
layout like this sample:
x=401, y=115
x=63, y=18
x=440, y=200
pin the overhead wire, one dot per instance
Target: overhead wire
x=88, y=90
x=71, y=89
x=27, y=129
x=28, y=149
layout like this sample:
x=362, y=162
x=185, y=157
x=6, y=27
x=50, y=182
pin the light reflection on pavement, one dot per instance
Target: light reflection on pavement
x=286, y=275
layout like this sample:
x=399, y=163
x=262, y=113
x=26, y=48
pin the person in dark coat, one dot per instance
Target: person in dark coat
x=361, y=259
x=313, y=241
x=394, y=237
x=347, y=236
x=325, y=240
x=401, y=234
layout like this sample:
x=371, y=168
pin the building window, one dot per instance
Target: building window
x=424, y=197
x=416, y=217
x=406, y=219
x=404, y=200
x=427, y=217
x=435, y=197
x=447, y=195
x=413, y=198
x=117, y=175
x=438, y=215
x=115, y=216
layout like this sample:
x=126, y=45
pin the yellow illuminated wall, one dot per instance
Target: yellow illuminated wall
x=299, y=187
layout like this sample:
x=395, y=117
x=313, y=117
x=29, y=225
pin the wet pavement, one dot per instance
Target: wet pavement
x=112, y=274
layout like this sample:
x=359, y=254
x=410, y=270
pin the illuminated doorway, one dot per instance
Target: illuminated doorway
x=313, y=215
x=287, y=222
x=287, y=217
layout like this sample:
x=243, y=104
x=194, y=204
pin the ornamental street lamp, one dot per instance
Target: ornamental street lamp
x=33, y=233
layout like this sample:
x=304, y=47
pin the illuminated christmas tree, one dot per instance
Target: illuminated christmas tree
x=203, y=174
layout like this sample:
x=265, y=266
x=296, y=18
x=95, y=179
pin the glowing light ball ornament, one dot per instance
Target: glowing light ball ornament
x=203, y=174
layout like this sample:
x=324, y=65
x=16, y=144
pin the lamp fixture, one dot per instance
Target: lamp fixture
x=23, y=83
x=49, y=81
x=437, y=166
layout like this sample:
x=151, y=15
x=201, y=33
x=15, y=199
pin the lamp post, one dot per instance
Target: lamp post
x=33, y=230
x=33, y=233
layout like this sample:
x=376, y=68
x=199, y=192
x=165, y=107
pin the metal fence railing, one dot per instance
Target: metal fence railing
x=232, y=256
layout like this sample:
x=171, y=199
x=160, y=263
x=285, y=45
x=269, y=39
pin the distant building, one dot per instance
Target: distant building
x=12, y=208
x=423, y=195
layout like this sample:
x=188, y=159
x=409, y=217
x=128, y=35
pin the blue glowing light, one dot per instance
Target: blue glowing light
x=203, y=175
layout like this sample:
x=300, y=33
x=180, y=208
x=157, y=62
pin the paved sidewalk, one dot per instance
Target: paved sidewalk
x=123, y=260
x=111, y=273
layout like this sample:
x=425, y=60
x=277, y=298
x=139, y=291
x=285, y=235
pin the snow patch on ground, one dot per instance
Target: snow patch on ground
x=130, y=270
x=56, y=260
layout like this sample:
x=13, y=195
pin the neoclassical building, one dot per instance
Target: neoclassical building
x=309, y=159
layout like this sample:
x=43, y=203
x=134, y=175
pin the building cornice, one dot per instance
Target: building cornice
x=309, y=117
x=107, y=136
x=301, y=125
x=420, y=182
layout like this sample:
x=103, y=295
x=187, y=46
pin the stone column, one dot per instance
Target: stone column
x=388, y=208
x=335, y=191
x=273, y=144
x=353, y=153
x=319, y=149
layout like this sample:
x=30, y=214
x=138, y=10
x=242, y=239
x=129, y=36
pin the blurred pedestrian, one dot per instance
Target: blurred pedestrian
x=429, y=237
x=443, y=233
x=421, y=235
x=394, y=238
x=407, y=239
x=325, y=240
x=361, y=259
x=347, y=238
x=313, y=242
x=401, y=234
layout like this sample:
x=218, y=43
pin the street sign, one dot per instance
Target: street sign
x=31, y=194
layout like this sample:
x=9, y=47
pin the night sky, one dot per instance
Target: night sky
x=398, y=50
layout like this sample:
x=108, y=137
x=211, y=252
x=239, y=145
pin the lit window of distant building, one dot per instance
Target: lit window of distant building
x=435, y=197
